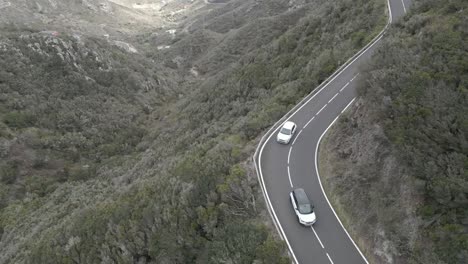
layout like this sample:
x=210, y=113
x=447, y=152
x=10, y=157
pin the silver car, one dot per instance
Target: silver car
x=303, y=207
x=286, y=132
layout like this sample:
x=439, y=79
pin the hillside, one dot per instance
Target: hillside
x=131, y=144
x=397, y=164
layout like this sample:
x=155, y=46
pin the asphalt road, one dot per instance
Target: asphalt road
x=283, y=167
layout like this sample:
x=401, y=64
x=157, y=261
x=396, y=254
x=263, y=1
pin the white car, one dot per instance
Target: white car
x=286, y=132
x=303, y=207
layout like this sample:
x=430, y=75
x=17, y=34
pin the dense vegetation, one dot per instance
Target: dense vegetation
x=67, y=107
x=116, y=157
x=416, y=90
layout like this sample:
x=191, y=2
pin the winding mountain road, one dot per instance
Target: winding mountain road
x=281, y=168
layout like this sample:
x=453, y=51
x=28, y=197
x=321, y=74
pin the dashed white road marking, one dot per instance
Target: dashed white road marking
x=321, y=109
x=329, y=258
x=354, y=77
x=289, y=176
x=308, y=122
x=333, y=97
x=321, y=186
x=342, y=88
x=294, y=141
x=289, y=154
x=318, y=238
x=346, y=85
x=292, y=112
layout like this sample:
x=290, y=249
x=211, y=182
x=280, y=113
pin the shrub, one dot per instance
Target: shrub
x=18, y=119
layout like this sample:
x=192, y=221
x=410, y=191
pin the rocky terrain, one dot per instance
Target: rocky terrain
x=126, y=126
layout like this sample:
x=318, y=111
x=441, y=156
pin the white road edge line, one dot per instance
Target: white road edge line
x=362, y=51
x=333, y=97
x=309, y=121
x=289, y=154
x=404, y=7
x=294, y=141
x=289, y=176
x=258, y=167
x=321, y=186
x=318, y=238
x=270, y=208
x=342, y=111
x=329, y=258
x=321, y=109
x=390, y=18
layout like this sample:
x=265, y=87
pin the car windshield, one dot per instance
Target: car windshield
x=305, y=208
x=285, y=131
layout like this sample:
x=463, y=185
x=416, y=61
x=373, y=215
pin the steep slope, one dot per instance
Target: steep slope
x=112, y=155
x=83, y=16
x=396, y=165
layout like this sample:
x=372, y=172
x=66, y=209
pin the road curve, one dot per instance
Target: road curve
x=280, y=168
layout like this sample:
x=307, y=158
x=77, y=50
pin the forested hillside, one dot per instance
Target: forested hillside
x=115, y=156
x=398, y=163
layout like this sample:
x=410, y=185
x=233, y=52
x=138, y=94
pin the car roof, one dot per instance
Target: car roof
x=288, y=125
x=301, y=196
